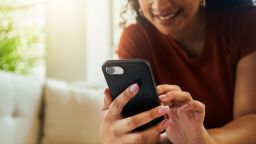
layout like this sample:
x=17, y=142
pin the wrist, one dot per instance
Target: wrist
x=208, y=138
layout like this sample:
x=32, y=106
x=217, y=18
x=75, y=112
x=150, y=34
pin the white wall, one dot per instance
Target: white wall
x=78, y=39
x=98, y=32
x=65, y=46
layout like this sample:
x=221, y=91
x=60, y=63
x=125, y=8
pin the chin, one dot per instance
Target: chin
x=166, y=32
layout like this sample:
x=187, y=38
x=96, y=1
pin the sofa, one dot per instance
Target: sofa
x=47, y=111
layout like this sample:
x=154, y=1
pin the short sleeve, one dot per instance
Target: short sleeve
x=133, y=43
x=248, y=30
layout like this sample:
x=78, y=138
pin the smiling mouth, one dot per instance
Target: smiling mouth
x=168, y=16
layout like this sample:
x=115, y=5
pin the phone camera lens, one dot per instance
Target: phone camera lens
x=110, y=70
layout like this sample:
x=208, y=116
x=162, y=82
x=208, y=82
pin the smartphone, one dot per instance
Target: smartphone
x=120, y=74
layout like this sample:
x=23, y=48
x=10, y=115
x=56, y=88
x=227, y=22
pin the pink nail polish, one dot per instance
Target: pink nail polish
x=162, y=96
x=133, y=88
x=184, y=106
x=163, y=110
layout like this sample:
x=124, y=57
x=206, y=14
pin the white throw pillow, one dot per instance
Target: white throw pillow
x=72, y=114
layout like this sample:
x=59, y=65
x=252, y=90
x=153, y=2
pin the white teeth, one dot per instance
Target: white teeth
x=167, y=17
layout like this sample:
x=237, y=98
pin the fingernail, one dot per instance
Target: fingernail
x=166, y=123
x=133, y=88
x=184, y=106
x=163, y=109
x=162, y=96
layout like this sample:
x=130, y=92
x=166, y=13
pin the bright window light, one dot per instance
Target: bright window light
x=26, y=25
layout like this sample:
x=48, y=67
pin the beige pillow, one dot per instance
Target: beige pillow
x=72, y=114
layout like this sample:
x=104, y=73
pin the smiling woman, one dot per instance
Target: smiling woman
x=204, y=62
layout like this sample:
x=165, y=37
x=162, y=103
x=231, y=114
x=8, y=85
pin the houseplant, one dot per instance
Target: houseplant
x=19, y=43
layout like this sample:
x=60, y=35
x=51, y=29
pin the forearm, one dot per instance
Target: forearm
x=240, y=130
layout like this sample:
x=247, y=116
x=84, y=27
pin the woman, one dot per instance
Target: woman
x=204, y=62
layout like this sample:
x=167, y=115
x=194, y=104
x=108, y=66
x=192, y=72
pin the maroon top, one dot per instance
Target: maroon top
x=210, y=78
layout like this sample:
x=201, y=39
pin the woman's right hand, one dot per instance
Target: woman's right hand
x=117, y=130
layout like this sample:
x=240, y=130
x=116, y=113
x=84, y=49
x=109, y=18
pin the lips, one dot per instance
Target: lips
x=168, y=17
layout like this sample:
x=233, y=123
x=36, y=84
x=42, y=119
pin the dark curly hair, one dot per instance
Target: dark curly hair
x=133, y=5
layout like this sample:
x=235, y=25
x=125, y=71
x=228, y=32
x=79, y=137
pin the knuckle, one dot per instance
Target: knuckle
x=153, y=114
x=200, y=104
x=176, y=87
x=134, y=122
x=116, y=104
x=187, y=94
x=116, y=132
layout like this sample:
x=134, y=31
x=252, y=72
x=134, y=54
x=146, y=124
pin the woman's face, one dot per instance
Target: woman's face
x=170, y=16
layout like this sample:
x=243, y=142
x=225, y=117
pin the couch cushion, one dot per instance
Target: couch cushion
x=20, y=106
x=72, y=114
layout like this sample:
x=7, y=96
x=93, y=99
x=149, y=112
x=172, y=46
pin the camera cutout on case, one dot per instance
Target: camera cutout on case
x=114, y=70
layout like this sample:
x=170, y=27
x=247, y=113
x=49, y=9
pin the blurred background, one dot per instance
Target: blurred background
x=60, y=39
x=51, y=52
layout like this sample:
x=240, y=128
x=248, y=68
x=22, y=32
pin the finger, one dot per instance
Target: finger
x=135, y=121
x=107, y=99
x=149, y=134
x=162, y=89
x=176, y=97
x=173, y=114
x=195, y=106
x=193, y=109
x=137, y=139
x=164, y=101
x=117, y=105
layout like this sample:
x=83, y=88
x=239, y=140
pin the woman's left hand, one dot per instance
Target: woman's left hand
x=186, y=115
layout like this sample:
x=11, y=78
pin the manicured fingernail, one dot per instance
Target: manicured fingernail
x=163, y=109
x=184, y=106
x=133, y=88
x=166, y=123
x=162, y=96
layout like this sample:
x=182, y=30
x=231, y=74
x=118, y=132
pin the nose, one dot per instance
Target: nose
x=159, y=6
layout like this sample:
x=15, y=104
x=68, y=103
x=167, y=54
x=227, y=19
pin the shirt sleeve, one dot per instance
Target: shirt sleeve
x=248, y=36
x=133, y=43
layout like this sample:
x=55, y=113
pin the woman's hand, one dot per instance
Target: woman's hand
x=117, y=130
x=186, y=115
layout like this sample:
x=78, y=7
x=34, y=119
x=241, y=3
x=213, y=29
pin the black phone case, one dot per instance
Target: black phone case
x=135, y=71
